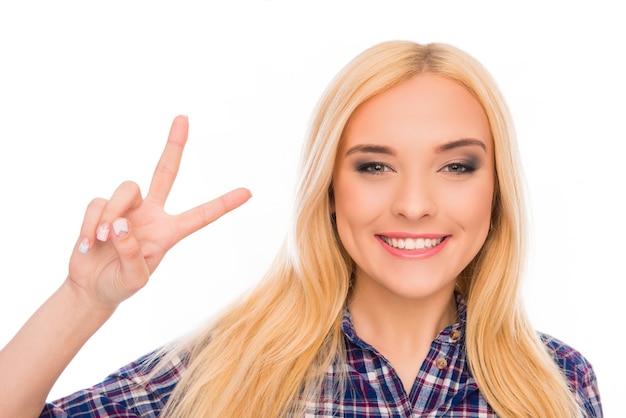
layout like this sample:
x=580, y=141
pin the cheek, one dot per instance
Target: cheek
x=358, y=204
x=473, y=206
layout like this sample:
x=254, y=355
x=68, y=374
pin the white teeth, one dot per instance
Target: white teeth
x=412, y=244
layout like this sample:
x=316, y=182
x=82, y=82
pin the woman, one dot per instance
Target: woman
x=395, y=294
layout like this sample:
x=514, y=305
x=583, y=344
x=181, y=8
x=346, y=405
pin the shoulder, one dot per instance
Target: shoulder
x=154, y=370
x=578, y=372
x=568, y=358
x=139, y=389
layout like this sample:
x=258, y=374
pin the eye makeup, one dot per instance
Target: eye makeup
x=463, y=157
x=371, y=167
x=465, y=165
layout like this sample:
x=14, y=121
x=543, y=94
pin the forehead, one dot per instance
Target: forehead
x=425, y=109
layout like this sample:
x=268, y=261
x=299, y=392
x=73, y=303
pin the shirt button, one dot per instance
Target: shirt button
x=441, y=363
x=455, y=335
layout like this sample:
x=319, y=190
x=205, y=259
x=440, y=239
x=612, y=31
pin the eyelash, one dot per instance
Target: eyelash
x=373, y=167
x=461, y=168
x=378, y=168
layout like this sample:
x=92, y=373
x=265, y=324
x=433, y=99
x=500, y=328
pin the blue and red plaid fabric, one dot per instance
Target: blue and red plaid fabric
x=443, y=387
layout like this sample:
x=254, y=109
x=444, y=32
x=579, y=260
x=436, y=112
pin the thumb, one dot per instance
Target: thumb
x=133, y=270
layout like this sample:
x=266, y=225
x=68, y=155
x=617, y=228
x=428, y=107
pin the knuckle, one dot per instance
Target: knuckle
x=166, y=168
x=131, y=250
x=203, y=214
x=128, y=186
x=96, y=204
x=98, y=201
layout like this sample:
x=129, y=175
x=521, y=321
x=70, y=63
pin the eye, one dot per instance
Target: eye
x=459, y=168
x=372, y=168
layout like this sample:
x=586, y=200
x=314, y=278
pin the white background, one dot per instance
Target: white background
x=87, y=93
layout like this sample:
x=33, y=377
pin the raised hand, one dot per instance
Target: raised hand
x=123, y=239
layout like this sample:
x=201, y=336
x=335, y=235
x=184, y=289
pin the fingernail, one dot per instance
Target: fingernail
x=103, y=232
x=83, y=247
x=120, y=227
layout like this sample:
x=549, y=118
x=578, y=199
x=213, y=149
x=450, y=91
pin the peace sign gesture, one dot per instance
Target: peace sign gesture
x=123, y=239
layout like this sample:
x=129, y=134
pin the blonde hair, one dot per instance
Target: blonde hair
x=271, y=349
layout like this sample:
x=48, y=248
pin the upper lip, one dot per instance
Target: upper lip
x=401, y=235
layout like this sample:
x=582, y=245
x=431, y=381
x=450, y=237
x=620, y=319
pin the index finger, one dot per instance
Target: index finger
x=167, y=168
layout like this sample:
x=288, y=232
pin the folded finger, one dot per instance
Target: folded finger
x=91, y=220
x=126, y=197
x=133, y=270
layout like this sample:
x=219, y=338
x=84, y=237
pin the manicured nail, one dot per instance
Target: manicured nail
x=103, y=232
x=83, y=247
x=120, y=227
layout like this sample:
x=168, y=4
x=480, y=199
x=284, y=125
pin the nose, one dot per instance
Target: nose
x=414, y=198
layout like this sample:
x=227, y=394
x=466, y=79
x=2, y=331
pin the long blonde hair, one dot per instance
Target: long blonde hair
x=271, y=349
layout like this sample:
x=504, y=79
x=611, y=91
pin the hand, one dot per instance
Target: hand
x=124, y=239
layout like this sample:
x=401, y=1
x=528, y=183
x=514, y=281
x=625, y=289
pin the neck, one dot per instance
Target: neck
x=388, y=320
x=402, y=329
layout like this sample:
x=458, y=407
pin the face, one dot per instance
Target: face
x=413, y=186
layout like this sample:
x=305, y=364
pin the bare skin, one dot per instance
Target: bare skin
x=112, y=269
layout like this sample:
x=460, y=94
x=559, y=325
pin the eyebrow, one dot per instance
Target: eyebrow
x=381, y=149
x=370, y=149
x=464, y=142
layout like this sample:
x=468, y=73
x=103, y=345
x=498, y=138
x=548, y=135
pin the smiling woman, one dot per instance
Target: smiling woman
x=396, y=292
x=412, y=196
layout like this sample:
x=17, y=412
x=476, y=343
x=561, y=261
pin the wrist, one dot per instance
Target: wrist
x=81, y=300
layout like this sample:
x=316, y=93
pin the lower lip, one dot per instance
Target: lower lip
x=413, y=254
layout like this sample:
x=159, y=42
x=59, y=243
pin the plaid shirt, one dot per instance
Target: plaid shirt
x=443, y=387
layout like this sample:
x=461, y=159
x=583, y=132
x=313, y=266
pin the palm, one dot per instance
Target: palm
x=155, y=230
x=112, y=271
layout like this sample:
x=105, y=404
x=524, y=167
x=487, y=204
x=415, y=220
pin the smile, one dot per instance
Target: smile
x=412, y=243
